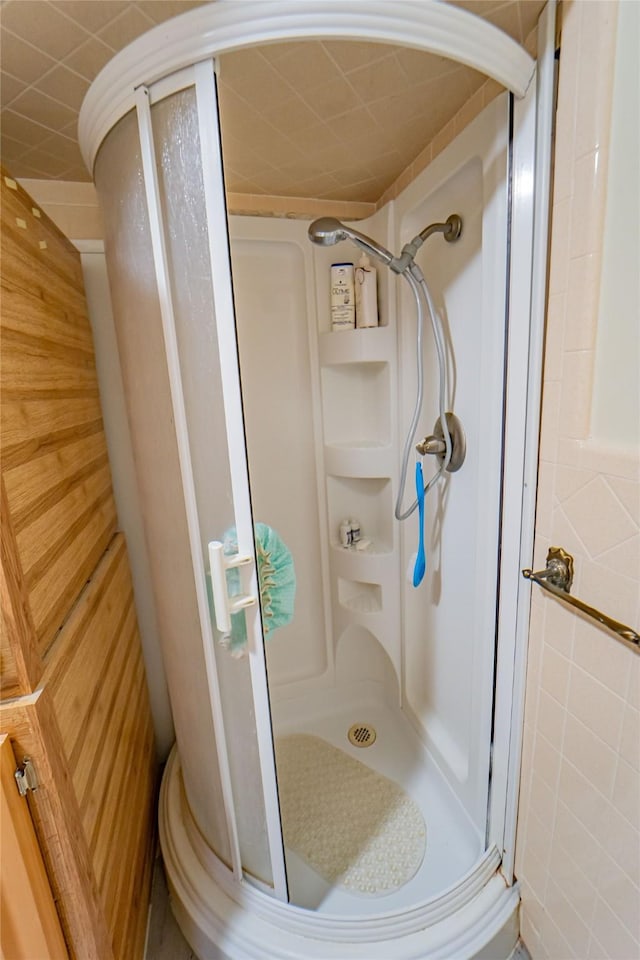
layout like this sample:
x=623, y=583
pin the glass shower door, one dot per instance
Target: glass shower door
x=188, y=428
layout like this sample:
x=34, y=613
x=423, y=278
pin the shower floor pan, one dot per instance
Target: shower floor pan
x=453, y=845
x=457, y=905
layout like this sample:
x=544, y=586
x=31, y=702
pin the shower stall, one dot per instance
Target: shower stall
x=348, y=780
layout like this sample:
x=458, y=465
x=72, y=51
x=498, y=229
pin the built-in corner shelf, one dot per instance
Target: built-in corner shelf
x=354, y=346
x=359, y=596
x=358, y=389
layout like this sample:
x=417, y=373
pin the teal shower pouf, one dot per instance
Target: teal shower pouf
x=277, y=581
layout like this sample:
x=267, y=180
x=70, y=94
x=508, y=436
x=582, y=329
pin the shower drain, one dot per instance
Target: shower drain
x=362, y=735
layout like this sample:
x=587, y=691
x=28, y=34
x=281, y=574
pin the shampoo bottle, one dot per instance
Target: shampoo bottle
x=343, y=308
x=366, y=293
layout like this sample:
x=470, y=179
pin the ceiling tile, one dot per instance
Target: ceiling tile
x=124, y=29
x=89, y=59
x=290, y=116
x=11, y=150
x=421, y=67
x=62, y=148
x=90, y=15
x=64, y=85
x=332, y=98
x=351, y=54
x=44, y=27
x=375, y=80
x=22, y=60
x=10, y=88
x=41, y=108
x=161, y=10
x=50, y=166
x=303, y=65
x=22, y=129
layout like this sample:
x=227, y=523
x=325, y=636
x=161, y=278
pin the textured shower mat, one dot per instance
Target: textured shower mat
x=352, y=825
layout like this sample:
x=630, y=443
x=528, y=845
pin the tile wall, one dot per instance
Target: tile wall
x=578, y=847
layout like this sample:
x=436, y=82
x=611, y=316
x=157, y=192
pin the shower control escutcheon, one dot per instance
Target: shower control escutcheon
x=436, y=446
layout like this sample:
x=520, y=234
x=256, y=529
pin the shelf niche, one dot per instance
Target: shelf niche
x=367, y=500
x=355, y=405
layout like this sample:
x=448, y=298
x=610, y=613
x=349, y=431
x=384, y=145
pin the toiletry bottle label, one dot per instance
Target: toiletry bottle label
x=343, y=307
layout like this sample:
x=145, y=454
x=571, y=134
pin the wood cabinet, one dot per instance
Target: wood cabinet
x=74, y=696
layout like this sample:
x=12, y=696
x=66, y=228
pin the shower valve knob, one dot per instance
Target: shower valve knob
x=431, y=445
x=436, y=446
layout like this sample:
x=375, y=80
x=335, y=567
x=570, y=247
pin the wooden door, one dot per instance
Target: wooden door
x=30, y=925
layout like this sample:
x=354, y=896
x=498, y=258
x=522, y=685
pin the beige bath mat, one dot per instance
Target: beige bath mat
x=355, y=827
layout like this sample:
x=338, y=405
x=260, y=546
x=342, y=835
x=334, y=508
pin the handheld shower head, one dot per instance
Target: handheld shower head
x=327, y=230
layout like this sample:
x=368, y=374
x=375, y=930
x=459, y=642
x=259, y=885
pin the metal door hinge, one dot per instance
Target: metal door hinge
x=26, y=777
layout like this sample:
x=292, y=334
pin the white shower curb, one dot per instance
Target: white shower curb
x=477, y=919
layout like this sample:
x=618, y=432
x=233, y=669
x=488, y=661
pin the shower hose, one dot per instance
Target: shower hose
x=415, y=278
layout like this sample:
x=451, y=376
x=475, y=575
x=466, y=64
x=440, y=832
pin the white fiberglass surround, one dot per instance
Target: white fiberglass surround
x=204, y=686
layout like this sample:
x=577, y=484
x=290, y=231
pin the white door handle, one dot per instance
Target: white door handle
x=225, y=605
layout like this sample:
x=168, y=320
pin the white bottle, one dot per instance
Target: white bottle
x=366, y=293
x=343, y=307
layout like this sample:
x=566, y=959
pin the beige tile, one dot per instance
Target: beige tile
x=12, y=151
x=43, y=110
x=90, y=15
x=606, y=661
x=10, y=88
x=630, y=737
x=374, y=81
x=614, y=941
x=351, y=54
x=332, y=99
x=564, y=915
x=598, y=515
x=22, y=130
x=64, y=85
x=580, y=795
x=554, y=678
x=587, y=206
x=534, y=872
x=590, y=755
x=620, y=893
x=556, y=944
x=62, y=148
x=626, y=791
x=89, y=58
x=302, y=64
x=613, y=594
x=551, y=716
x=544, y=506
x=628, y=493
x=595, y=79
x=22, y=60
x=161, y=10
x=633, y=691
x=582, y=300
x=581, y=845
x=125, y=28
x=569, y=480
x=622, y=843
x=600, y=710
x=546, y=761
x=577, y=386
x=45, y=27
x=473, y=106
x=624, y=559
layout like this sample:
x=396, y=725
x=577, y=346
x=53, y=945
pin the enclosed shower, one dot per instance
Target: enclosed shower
x=344, y=780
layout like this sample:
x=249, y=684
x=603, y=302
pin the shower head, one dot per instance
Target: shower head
x=327, y=230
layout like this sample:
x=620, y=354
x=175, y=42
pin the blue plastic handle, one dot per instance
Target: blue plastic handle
x=421, y=563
